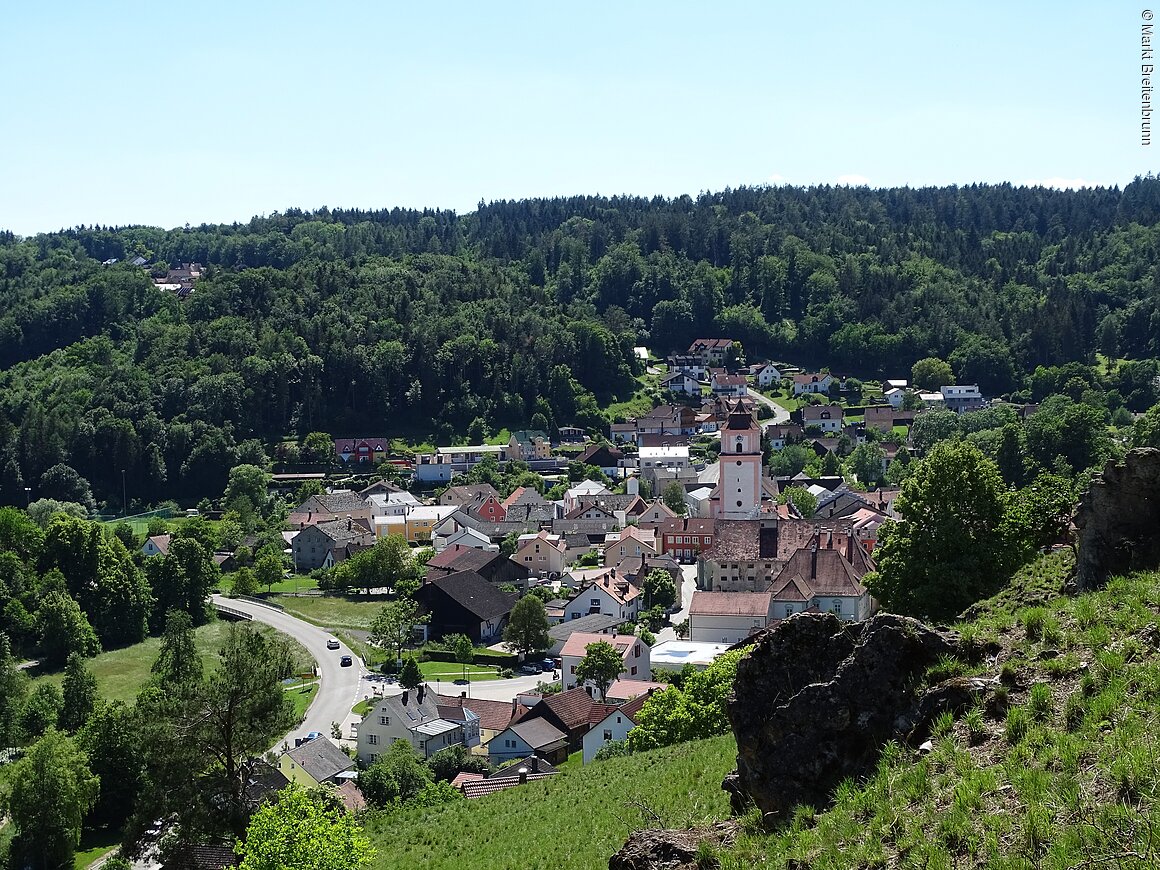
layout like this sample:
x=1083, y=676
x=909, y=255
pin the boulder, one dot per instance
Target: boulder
x=1119, y=520
x=817, y=698
x=668, y=850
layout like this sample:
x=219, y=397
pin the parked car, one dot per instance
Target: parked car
x=332, y=643
x=547, y=665
x=529, y=670
x=346, y=661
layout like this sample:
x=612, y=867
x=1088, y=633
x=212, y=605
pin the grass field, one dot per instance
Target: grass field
x=332, y=611
x=301, y=583
x=573, y=821
x=451, y=671
x=95, y=844
x=122, y=673
x=302, y=696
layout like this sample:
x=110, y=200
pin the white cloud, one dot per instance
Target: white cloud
x=777, y=178
x=852, y=180
x=1061, y=183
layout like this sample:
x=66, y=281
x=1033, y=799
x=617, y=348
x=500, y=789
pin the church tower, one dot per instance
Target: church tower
x=739, y=483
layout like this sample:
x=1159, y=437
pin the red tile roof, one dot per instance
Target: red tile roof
x=730, y=604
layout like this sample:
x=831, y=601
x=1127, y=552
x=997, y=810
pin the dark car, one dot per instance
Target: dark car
x=346, y=661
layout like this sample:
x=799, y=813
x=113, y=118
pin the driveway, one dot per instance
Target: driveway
x=339, y=688
x=688, y=587
x=780, y=414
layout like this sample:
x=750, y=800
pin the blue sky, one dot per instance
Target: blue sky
x=174, y=113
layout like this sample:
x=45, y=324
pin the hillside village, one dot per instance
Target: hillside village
x=741, y=555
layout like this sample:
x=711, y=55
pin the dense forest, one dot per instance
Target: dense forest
x=421, y=323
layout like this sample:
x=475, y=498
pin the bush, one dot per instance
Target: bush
x=481, y=657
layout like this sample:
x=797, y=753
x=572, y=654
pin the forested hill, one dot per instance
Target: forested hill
x=377, y=322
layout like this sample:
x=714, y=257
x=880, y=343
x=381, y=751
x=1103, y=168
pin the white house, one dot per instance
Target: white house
x=962, y=398
x=663, y=457
x=157, y=545
x=414, y=716
x=724, y=384
x=633, y=650
x=811, y=383
x=632, y=541
x=613, y=728
x=608, y=594
x=728, y=617
x=392, y=504
x=681, y=382
x=895, y=396
x=466, y=539
x=583, y=489
x=828, y=418
x=767, y=375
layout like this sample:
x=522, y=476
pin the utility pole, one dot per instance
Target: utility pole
x=124, y=496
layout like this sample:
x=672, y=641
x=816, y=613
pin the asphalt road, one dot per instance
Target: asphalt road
x=780, y=414
x=339, y=687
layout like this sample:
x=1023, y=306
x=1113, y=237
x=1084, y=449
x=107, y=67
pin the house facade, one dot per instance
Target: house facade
x=633, y=650
x=728, y=617
x=541, y=553
x=610, y=594
x=812, y=383
x=413, y=716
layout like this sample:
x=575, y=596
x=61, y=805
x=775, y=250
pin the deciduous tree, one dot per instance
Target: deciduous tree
x=306, y=830
x=600, y=666
x=527, y=629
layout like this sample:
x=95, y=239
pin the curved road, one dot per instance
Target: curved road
x=780, y=414
x=339, y=688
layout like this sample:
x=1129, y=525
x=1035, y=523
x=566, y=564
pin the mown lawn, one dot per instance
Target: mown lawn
x=95, y=844
x=301, y=583
x=122, y=673
x=301, y=696
x=333, y=611
x=572, y=821
x=451, y=671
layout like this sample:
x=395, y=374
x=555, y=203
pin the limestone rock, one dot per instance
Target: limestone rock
x=1119, y=519
x=817, y=698
x=668, y=850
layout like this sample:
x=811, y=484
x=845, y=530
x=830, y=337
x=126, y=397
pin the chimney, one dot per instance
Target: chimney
x=406, y=694
x=814, y=562
x=523, y=772
x=422, y=692
x=535, y=764
x=614, y=633
x=462, y=695
x=850, y=547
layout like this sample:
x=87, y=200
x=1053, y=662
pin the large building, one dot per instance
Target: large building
x=739, y=486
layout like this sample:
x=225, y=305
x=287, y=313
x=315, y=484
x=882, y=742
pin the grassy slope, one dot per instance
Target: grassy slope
x=122, y=673
x=333, y=612
x=573, y=821
x=1064, y=775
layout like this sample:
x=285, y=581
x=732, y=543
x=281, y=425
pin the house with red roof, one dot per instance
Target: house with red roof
x=633, y=650
x=613, y=728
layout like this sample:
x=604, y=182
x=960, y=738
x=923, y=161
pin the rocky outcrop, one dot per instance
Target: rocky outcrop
x=1119, y=520
x=817, y=698
x=669, y=850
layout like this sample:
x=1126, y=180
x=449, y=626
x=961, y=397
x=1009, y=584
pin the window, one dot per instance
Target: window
x=594, y=602
x=633, y=671
x=837, y=608
x=572, y=669
x=636, y=651
x=374, y=756
x=373, y=739
x=384, y=720
x=575, y=615
x=607, y=733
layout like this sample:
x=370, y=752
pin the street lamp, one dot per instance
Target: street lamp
x=27, y=496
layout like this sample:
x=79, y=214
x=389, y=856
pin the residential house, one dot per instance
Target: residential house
x=339, y=504
x=465, y=603
x=542, y=554
x=612, y=728
x=635, y=568
x=656, y=514
x=747, y=554
x=327, y=543
x=622, y=691
x=579, y=544
x=712, y=352
x=572, y=435
x=518, y=773
x=812, y=383
x=491, y=565
x=492, y=716
x=314, y=762
x=633, y=650
x=528, y=444
x=535, y=736
x=379, y=487
x=468, y=494
x=685, y=538
x=828, y=418
x=420, y=522
x=593, y=623
x=157, y=545
x=663, y=457
x=895, y=384
x=886, y=417
x=605, y=457
x=724, y=384
x=932, y=400
x=962, y=398
x=682, y=383
x=392, y=504
x=414, y=716
x=583, y=489
x=364, y=451
x=767, y=375
x=895, y=396
x=781, y=434
x=465, y=539
x=668, y=420
x=728, y=617
x=825, y=576
x=572, y=713
x=631, y=542
x=623, y=506
x=604, y=591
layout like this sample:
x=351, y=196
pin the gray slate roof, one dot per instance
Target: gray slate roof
x=320, y=758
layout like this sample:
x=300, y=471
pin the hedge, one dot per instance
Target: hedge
x=491, y=657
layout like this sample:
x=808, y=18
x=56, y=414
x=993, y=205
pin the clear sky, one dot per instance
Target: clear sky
x=170, y=113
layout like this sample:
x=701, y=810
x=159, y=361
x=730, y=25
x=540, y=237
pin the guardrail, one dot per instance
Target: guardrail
x=261, y=601
x=234, y=612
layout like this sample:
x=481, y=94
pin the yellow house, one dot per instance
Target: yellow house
x=314, y=762
x=421, y=521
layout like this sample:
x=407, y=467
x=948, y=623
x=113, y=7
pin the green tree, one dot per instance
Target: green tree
x=306, y=831
x=41, y=709
x=63, y=629
x=410, y=677
x=954, y=543
x=318, y=447
x=600, y=666
x=389, y=563
x=244, y=583
x=246, y=493
x=112, y=740
x=527, y=630
x=182, y=579
x=79, y=690
x=178, y=666
x=13, y=688
x=674, y=497
x=659, y=589
x=867, y=461
x=461, y=645
x=931, y=373
x=52, y=791
x=802, y=499
x=394, y=625
x=932, y=427
x=694, y=711
x=791, y=459
x=269, y=569
x=62, y=482
x=395, y=776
